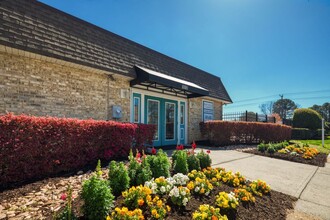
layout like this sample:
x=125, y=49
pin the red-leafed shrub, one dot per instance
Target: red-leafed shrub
x=228, y=132
x=34, y=147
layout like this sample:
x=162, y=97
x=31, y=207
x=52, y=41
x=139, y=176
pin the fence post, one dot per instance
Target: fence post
x=266, y=118
x=256, y=117
x=274, y=120
x=246, y=116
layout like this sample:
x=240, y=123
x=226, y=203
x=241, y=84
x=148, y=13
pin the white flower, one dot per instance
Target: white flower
x=207, y=193
x=197, y=189
x=184, y=201
x=162, y=189
x=183, y=193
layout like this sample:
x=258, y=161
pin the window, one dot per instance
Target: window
x=208, y=112
x=136, y=109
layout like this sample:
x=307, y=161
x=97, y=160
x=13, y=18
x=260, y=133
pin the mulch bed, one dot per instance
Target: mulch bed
x=275, y=205
x=318, y=160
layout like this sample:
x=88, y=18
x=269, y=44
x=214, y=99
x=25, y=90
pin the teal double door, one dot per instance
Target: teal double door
x=163, y=113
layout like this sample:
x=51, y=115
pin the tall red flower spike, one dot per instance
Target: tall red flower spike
x=193, y=145
x=153, y=151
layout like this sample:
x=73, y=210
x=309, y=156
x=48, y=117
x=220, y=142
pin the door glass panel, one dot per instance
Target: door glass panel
x=169, y=120
x=182, y=114
x=153, y=115
x=136, y=110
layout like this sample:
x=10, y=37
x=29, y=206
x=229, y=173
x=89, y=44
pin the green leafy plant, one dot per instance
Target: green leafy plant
x=159, y=164
x=180, y=164
x=193, y=162
x=204, y=159
x=143, y=172
x=271, y=150
x=118, y=177
x=262, y=147
x=132, y=168
x=97, y=196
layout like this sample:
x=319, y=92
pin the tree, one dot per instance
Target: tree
x=284, y=107
x=323, y=110
x=267, y=108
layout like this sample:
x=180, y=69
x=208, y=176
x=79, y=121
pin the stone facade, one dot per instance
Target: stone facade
x=195, y=114
x=39, y=87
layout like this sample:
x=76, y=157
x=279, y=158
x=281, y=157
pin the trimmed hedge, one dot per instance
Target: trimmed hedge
x=35, y=147
x=305, y=134
x=229, y=132
x=306, y=118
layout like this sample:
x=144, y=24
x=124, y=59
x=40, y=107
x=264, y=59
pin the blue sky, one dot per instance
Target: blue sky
x=259, y=48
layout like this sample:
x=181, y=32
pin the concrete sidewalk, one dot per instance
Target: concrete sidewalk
x=310, y=184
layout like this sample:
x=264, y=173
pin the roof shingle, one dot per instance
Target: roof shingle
x=35, y=27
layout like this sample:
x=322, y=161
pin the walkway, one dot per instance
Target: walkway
x=310, y=184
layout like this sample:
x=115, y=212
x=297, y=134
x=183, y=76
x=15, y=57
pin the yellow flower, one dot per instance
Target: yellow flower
x=157, y=215
x=159, y=203
x=140, y=202
x=168, y=208
x=148, y=198
x=202, y=190
x=108, y=218
x=154, y=212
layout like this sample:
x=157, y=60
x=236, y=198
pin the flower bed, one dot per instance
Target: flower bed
x=300, y=153
x=212, y=193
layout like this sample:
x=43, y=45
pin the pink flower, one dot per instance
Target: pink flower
x=138, y=155
x=63, y=196
x=153, y=151
x=57, y=162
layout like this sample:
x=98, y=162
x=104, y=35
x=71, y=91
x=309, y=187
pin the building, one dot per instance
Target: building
x=58, y=65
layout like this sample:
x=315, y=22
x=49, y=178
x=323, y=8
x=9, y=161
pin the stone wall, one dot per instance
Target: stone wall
x=195, y=108
x=41, y=88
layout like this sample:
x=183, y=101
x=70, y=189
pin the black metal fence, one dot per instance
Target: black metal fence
x=248, y=116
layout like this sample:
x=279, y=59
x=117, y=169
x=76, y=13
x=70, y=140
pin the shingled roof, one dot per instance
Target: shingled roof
x=35, y=27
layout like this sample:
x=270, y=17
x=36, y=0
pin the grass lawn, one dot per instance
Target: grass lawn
x=317, y=144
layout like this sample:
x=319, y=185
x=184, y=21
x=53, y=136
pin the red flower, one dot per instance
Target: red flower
x=193, y=145
x=208, y=151
x=153, y=151
x=63, y=196
x=138, y=155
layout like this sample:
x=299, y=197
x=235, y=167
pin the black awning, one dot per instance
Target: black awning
x=152, y=80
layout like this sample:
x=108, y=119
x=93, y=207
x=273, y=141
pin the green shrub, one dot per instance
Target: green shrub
x=133, y=166
x=143, y=172
x=118, y=177
x=306, y=118
x=301, y=134
x=159, y=164
x=180, y=164
x=271, y=149
x=204, y=159
x=279, y=146
x=97, y=197
x=262, y=147
x=193, y=163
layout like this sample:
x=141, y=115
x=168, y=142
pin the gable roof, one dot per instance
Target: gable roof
x=38, y=28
